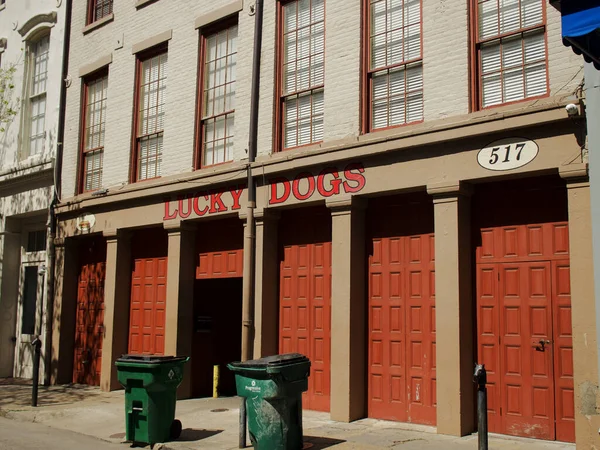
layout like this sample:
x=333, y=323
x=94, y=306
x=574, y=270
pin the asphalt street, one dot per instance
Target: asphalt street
x=15, y=435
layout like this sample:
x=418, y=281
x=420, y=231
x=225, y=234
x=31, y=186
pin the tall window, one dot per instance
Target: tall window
x=97, y=9
x=394, y=84
x=94, y=119
x=302, y=68
x=511, y=51
x=219, y=59
x=36, y=91
x=150, y=114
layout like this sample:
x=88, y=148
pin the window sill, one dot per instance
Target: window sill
x=141, y=3
x=98, y=23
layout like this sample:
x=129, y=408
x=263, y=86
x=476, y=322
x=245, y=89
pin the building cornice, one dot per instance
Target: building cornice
x=366, y=146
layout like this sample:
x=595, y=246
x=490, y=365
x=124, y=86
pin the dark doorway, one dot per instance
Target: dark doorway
x=217, y=334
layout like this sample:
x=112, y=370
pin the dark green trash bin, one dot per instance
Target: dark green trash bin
x=273, y=388
x=150, y=384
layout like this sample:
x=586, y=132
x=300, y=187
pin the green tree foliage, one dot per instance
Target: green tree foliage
x=8, y=104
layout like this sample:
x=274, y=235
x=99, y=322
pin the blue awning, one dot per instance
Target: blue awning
x=580, y=17
x=581, y=27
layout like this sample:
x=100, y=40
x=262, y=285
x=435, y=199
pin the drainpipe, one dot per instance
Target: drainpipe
x=51, y=253
x=249, y=233
x=249, y=230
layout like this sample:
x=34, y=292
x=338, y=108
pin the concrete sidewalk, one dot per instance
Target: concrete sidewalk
x=213, y=423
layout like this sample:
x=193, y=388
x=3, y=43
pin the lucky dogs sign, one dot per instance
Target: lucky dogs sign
x=326, y=183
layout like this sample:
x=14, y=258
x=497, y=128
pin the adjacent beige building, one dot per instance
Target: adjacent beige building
x=31, y=59
x=422, y=205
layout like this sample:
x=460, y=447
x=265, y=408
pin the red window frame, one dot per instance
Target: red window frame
x=136, y=136
x=102, y=73
x=476, y=60
x=279, y=96
x=221, y=26
x=98, y=9
x=368, y=73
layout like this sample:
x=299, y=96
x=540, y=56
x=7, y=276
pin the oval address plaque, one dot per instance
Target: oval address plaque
x=507, y=154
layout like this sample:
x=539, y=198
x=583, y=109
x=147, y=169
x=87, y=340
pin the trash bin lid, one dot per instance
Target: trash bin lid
x=272, y=361
x=150, y=359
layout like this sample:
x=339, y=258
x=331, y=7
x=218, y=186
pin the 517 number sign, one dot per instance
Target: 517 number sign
x=507, y=154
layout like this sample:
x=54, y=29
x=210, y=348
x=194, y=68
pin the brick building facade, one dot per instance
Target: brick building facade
x=422, y=204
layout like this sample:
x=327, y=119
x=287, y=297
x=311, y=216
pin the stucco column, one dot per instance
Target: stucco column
x=180, y=298
x=65, y=309
x=117, y=290
x=348, y=323
x=454, y=308
x=266, y=306
x=583, y=308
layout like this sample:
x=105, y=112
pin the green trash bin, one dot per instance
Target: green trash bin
x=150, y=384
x=273, y=388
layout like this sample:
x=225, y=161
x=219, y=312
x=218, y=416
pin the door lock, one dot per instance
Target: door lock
x=540, y=345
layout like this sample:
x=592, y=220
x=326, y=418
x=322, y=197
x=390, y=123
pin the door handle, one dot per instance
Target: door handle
x=540, y=346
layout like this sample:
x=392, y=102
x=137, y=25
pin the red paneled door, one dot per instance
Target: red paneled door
x=305, y=314
x=89, y=325
x=402, y=379
x=148, y=302
x=524, y=327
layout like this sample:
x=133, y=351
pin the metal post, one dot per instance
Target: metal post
x=216, y=381
x=37, y=345
x=480, y=377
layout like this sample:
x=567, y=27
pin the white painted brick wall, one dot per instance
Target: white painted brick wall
x=445, y=67
x=342, y=69
x=445, y=58
x=135, y=26
x=267, y=81
x=565, y=67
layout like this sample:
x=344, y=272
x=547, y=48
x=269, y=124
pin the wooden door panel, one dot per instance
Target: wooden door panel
x=401, y=379
x=305, y=315
x=562, y=347
x=89, y=324
x=530, y=390
x=489, y=338
x=147, y=306
x=527, y=373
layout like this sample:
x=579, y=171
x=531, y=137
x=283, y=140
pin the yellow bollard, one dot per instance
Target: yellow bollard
x=215, y=381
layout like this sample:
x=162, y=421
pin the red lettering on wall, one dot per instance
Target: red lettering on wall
x=286, y=190
x=185, y=215
x=236, y=194
x=197, y=210
x=296, y=185
x=334, y=184
x=354, y=173
x=168, y=215
x=216, y=204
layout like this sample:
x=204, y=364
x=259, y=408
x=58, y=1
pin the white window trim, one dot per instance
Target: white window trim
x=25, y=134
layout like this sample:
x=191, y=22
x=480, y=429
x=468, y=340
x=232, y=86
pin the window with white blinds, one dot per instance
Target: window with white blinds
x=512, y=50
x=395, y=66
x=37, y=95
x=94, y=125
x=303, y=72
x=97, y=9
x=151, y=115
x=218, y=102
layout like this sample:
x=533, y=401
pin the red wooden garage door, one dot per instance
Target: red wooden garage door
x=148, y=302
x=524, y=327
x=402, y=380
x=89, y=325
x=305, y=314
